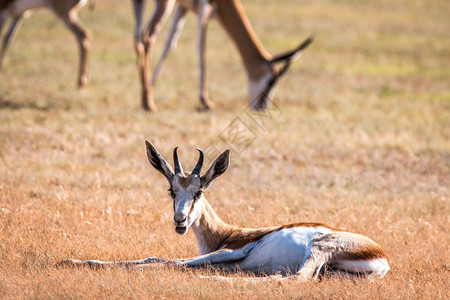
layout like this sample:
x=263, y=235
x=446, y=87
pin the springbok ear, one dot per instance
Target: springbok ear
x=292, y=55
x=218, y=167
x=158, y=162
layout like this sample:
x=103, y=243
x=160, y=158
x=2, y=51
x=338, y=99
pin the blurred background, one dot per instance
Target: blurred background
x=357, y=137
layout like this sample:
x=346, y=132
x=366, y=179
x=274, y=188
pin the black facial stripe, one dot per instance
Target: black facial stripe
x=171, y=193
x=198, y=195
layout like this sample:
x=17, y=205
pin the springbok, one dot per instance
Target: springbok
x=302, y=249
x=66, y=10
x=262, y=70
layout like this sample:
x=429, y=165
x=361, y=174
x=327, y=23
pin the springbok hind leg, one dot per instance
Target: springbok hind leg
x=205, y=11
x=347, y=254
x=172, y=39
x=73, y=23
x=160, y=14
x=318, y=253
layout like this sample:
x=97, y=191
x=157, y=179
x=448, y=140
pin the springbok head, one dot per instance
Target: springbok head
x=261, y=90
x=186, y=189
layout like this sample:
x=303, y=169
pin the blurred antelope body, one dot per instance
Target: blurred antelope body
x=66, y=10
x=261, y=67
x=301, y=250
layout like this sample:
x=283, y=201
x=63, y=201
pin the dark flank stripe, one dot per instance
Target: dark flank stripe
x=241, y=237
x=307, y=224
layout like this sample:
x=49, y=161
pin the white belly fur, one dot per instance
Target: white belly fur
x=376, y=267
x=282, y=251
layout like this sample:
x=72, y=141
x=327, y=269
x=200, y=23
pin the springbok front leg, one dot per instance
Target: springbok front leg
x=14, y=25
x=138, y=7
x=99, y=263
x=160, y=14
x=221, y=259
x=172, y=39
x=72, y=22
x=205, y=12
x=225, y=259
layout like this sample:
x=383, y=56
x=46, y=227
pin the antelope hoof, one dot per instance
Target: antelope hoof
x=206, y=103
x=79, y=263
x=66, y=263
x=149, y=105
x=83, y=81
x=150, y=260
x=259, y=105
x=70, y=263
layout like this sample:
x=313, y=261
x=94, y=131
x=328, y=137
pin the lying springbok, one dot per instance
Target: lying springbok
x=66, y=10
x=303, y=249
x=261, y=67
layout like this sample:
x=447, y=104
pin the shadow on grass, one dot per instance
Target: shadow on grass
x=37, y=106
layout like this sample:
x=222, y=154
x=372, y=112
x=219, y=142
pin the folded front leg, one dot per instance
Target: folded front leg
x=120, y=263
x=219, y=258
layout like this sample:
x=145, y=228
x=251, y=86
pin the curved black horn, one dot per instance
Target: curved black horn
x=292, y=54
x=176, y=162
x=198, y=167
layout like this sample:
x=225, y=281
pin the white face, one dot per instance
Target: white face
x=187, y=196
x=259, y=95
x=186, y=189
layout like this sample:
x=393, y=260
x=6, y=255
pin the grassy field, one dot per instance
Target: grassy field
x=358, y=138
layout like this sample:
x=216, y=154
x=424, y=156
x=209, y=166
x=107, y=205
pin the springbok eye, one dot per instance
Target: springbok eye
x=197, y=195
x=172, y=193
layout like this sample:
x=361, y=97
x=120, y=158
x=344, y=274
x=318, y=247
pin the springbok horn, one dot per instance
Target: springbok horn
x=198, y=167
x=292, y=54
x=176, y=162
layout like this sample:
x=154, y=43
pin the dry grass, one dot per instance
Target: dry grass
x=362, y=144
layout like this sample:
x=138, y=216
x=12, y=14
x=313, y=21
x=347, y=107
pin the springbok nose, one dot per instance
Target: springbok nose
x=179, y=217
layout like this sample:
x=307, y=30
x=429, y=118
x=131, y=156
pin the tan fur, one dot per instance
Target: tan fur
x=210, y=229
